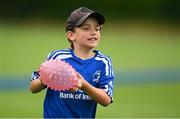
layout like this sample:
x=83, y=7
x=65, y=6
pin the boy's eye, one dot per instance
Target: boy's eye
x=98, y=28
x=86, y=28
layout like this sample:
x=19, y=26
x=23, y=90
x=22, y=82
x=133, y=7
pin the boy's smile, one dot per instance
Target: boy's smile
x=92, y=39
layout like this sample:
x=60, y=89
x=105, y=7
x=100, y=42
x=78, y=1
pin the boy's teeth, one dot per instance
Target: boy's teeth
x=92, y=39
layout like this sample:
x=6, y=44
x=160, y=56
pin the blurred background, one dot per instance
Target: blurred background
x=142, y=38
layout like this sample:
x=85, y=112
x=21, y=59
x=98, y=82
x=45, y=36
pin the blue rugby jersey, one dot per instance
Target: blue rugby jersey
x=65, y=104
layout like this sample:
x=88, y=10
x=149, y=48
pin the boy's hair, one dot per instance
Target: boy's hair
x=79, y=16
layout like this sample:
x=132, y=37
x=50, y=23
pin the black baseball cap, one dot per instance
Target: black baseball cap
x=79, y=16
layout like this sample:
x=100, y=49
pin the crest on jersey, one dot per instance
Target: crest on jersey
x=96, y=76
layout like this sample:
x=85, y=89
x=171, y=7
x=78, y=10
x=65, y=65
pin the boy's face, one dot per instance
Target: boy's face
x=87, y=35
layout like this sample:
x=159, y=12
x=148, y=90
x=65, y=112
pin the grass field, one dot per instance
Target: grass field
x=146, y=101
x=23, y=48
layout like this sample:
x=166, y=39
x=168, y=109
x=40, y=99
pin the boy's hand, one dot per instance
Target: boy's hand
x=79, y=84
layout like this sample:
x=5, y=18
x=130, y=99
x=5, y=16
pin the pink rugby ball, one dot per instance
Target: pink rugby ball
x=58, y=75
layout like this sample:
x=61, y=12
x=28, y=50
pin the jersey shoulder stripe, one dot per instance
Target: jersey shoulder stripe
x=62, y=56
x=56, y=53
x=107, y=61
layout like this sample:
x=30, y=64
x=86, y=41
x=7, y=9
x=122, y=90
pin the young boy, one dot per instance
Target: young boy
x=94, y=69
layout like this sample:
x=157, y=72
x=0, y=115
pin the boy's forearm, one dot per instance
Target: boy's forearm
x=99, y=95
x=36, y=86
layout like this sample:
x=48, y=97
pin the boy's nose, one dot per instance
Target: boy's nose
x=93, y=31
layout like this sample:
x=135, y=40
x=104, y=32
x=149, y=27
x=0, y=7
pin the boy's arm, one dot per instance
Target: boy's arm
x=97, y=94
x=36, y=86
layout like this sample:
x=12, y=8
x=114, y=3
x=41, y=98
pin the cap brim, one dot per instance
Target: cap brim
x=100, y=18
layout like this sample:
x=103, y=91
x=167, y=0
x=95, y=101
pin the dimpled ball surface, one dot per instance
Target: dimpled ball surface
x=58, y=75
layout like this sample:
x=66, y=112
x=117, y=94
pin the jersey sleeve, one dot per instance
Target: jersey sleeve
x=35, y=75
x=106, y=81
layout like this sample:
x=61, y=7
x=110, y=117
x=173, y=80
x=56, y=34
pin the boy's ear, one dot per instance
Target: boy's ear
x=70, y=35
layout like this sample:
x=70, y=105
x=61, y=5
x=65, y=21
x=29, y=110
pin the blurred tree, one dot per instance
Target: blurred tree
x=114, y=9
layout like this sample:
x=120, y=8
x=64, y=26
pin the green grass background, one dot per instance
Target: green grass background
x=132, y=48
x=146, y=101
